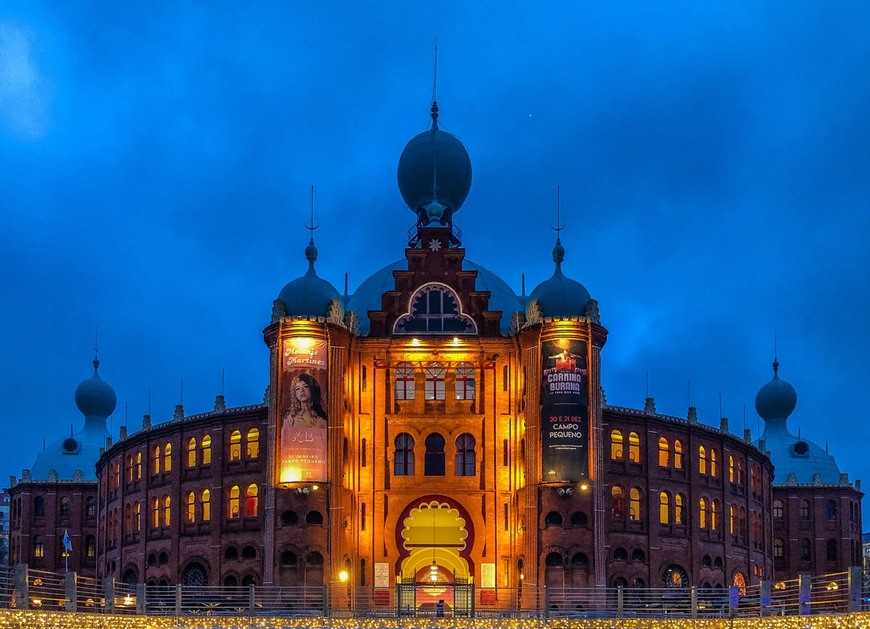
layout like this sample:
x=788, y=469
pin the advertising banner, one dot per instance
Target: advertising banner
x=564, y=412
x=302, y=446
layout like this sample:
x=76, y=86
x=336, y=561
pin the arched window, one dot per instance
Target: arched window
x=715, y=514
x=831, y=510
x=620, y=554
x=90, y=547
x=664, y=508
x=778, y=509
x=741, y=471
x=233, y=504
x=90, y=507
x=778, y=548
x=128, y=518
x=617, y=501
x=739, y=581
x=831, y=550
x=732, y=520
x=235, y=445
x=155, y=460
x=252, y=450
x=702, y=461
x=434, y=461
x=678, y=454
x=403, y=463
x=167, y=457
x=675, y=576
x=314, y=559
x=155, y=513
x=806, y=549
x=205, y=499
x=205, y=446
x=679, y=505
x=252, y=501
x=616, y=445
x=805, y=510
x=138, y=465
x=578, y=518
x=190, y=512
x=702, y=513
x=664, y=453
x=39, y=507
x=731, y=474
x=634, y=512
x=65, y=507
x=314, y=517
x=404, y=382
x=713, y=463
x=128, y=468
x=633, y=447
x=38, y=547
x=191, y=452
x=435, y=374
x=553, y=518
x=464, y=381
x=137, y=516
x=465, y=464
x=167, y=511
x=435, y=308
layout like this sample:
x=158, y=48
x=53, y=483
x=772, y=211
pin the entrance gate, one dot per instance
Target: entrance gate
x=458, y=598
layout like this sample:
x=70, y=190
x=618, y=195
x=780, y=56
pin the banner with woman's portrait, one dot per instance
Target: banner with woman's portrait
x=302, y=415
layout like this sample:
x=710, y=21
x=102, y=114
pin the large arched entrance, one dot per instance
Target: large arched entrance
x=435, y=571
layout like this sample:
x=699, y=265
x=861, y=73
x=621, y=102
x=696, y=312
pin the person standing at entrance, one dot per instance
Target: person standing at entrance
x=439, y=609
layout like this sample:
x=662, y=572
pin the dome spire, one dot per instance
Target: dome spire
x=435, y=90
x=311, y=250
x=775, y=361
x=558, y=250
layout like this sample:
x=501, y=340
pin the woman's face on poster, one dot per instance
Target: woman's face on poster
x=303, y=393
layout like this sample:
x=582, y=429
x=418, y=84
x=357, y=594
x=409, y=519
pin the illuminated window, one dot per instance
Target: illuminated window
x=190, y=512
x=128, y=468
x=634, y=512
x=433, y=464
x=205, y=500
x=236, y=446
x=435, y=308
x=115, y=480
x=155, y=513
x=678, y=454
x=731, y=474
x=155, y=460
x=90, y=547
x=252, y=451
x=713, y=463
x=702, y=460
x=466, y=461
x=233, y=504
x=778, y=509
x=732, y=520
x=38, y=547
x=404, y=456
x=252, y=501
x=664, y=453
x=633, y=447
x=138, y=465
x=191, y=452
x=464, y=382
x=617, y=501
x=739, y=581
x=435, y=389
x=679, y=502
x=778, y=548
x=702, y=513
x=675, y=577
x=167, y=457
x=167, y=512
x=664, y=508
x=715, y=514
x=741, y=472
x=205, y=449
x=137, y=516
x=616, y=445
x=404, y=381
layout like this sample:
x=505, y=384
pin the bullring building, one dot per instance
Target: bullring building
x=434, y=426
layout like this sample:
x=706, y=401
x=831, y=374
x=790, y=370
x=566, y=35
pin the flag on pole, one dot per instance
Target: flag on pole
x=67, y=542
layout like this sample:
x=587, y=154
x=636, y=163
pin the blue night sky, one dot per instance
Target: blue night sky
x=713, y=158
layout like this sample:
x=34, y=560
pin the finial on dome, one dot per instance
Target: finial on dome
x=558, y=250
x=435, y=89
x=311, y=250
x=775, y=361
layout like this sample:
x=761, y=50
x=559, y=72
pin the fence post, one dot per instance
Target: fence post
x=804, y=594
x=765, y=599
x=546, y=602
x=251, y=599
x=694, y=601
x=733, y=600
x=620, y=602
x=140, y=599
x=856, y=596
x=327, y=608
x=109, y=595
x=178, y=600
x=22, y=586
x=70, y=591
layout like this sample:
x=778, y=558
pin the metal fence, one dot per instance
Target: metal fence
x=33, y=589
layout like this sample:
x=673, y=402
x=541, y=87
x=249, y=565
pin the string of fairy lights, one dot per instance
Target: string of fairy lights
x=20, y=619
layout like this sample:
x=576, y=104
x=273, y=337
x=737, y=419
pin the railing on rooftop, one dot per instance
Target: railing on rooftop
x=23, y=588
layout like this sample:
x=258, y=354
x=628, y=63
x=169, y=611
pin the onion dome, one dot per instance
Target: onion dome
x=777, y=399
x=309, y=295
x=560, y=296
x=95, y=397
x=434, y=166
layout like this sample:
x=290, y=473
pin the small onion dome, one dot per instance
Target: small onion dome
x=776, y=399
x=560, y=296
x=434, y=163
x=95, y=397
x=309, y=295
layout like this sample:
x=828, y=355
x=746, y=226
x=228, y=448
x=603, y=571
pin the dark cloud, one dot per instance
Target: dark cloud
x=157, y=160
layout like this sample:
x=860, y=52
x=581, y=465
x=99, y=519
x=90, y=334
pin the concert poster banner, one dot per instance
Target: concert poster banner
x=564, y=411
x=302, y=416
